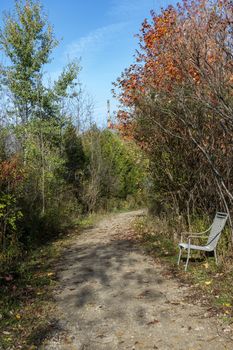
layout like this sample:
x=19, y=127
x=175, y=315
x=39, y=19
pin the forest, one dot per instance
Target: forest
x=56, y=164
x=169, y=149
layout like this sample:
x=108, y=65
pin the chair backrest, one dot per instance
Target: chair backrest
x=216, y=229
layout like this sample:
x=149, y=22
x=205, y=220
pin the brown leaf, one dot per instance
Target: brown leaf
x=152, y=322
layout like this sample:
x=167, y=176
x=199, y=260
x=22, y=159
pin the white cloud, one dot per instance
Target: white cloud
x=94, y=41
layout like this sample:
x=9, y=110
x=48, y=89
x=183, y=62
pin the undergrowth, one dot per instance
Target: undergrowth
x=28, y=313
x=26, y=304
x=27, y=309
x=212, y=285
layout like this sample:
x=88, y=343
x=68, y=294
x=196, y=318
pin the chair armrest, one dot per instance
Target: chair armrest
x=196, y=234
x=190, y=234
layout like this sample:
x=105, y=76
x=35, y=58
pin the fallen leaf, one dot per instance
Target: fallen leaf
x=152, y=322
x=17, y=316
x=50, y=274
x=207, y=283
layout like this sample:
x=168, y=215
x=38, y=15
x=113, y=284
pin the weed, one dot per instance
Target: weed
x=159, y=239
x=26, y=303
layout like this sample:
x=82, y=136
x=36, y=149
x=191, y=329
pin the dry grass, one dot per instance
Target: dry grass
x=212, y=285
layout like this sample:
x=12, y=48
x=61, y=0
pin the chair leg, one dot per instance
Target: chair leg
x=178, y=262
x=187, y=261
x=215, y=255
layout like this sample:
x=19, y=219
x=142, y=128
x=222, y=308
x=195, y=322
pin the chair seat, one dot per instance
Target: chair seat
x=196, y=247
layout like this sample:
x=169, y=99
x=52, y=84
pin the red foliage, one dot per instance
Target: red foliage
x=11, y=172
x=182, y=47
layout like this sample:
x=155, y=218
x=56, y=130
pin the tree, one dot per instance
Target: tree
x=44, y=195
x=73, y=154
x=115, y=171
x=27, y=40
x=177, y=102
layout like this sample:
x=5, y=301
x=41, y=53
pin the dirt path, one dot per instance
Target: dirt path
x=112, y=296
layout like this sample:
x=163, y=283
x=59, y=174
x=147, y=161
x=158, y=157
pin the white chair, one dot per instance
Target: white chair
x=215, y=231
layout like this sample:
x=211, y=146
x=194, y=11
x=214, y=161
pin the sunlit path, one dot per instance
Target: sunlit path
x=112, y=296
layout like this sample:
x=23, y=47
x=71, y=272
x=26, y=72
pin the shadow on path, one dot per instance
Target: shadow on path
x=107, y=276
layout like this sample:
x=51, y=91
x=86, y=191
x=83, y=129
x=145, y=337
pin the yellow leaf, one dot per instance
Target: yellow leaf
x=18, y=316
x=207, y=283
x=50, y=273
x=227, y=304
x=206, y=265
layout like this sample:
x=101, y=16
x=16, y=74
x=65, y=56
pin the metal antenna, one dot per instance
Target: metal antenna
x=109, y=115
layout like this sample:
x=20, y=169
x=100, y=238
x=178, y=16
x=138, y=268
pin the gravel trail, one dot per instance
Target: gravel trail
x=112, y=296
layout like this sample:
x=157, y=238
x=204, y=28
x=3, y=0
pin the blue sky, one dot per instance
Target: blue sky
x=102, y=34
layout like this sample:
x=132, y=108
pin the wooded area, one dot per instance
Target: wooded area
x=55, y=164
x=177, y=104
x=169, y=150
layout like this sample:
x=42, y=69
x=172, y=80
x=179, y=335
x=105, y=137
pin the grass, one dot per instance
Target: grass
x=88, y=221
x=27, y=308
x=212, y=285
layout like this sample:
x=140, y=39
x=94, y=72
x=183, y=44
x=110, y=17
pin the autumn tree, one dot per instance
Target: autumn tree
x=177, y=103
